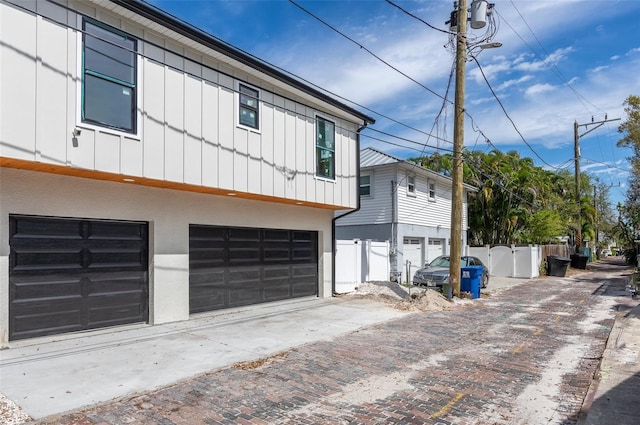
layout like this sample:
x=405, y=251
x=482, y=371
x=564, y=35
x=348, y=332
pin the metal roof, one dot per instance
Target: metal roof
x=370, y=157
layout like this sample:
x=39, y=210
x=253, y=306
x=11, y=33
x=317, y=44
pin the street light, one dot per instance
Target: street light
x=493, y=45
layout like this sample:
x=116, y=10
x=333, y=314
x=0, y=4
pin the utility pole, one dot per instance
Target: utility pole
x=458, y=21
x=458, y=143
x=576, y=151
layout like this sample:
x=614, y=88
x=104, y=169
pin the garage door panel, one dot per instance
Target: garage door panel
x=58, y=280
x=244, y=296
x=115, y=285
x=304, y=271
x=117, y=260
x=38, y=319
x=243, y=255
x=25, y=260
x=276, y=293
x=36, y=228
x=207, y=298
x=31, y=290
x=119, y=232
x=243, y=234
x=112, y=314
x=206, y=257
x=252, y=266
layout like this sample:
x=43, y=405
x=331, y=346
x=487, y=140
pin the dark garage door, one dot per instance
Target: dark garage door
x=235, y=266
x=69, y=275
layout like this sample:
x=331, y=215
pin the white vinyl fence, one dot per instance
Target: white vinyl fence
x=359, y=261
x=510, y=261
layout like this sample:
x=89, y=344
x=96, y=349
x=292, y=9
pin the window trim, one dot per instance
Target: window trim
x=137, y=87
x=316, y=147
x=431, y=197
x=369, y=186
x=239, y=106
x=411, y=185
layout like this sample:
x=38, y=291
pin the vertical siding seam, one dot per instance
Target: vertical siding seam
x=202, y=136
x=38, y=18
x=184, y=121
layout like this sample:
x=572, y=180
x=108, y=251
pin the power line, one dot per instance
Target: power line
x=507, y=114
x=366, y=50
x=419, y=19
x=423, y=145
x=557, y=72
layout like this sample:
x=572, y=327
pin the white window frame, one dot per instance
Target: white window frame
x=411, y=185
x=80, y=124
x=431, y=190
x=369, y=185
x=237, y=108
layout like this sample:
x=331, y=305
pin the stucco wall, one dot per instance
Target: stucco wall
x=169, y=213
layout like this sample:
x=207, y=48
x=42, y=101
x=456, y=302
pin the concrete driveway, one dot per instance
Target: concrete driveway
x=54, y=375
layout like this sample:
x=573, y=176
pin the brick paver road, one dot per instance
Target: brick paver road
x=523, y=356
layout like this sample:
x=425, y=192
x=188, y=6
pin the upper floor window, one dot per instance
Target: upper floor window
x=109, y=95
x=432, y=191
x=325, y=148
x=411, y=184
x=249, y=113
x=365, y=185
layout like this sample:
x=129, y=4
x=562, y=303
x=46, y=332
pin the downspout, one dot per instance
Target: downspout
x=333, y=222
x=394, y=234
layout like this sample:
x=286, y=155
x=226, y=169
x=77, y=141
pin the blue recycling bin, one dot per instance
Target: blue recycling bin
x=470, y=280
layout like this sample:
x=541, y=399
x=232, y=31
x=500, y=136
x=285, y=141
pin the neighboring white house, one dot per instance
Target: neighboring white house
x=405, y=204
x=150, y=171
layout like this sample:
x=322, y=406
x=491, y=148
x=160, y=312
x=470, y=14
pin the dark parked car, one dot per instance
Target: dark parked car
x=436, y=273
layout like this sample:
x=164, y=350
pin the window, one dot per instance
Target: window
x=432, y=191
x=365, y=185
x=249, y=113
x=411, y=184
x=109, y=96
x=325, y=148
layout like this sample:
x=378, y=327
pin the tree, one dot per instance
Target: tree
x=629, y=220
x=512, y=193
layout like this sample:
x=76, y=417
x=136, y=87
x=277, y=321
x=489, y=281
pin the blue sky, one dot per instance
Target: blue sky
x=561, y=61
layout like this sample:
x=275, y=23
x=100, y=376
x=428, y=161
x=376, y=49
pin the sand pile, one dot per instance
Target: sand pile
x=402, y=297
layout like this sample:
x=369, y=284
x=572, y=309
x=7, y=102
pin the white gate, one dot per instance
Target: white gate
x=359, y=261
x=510, y=261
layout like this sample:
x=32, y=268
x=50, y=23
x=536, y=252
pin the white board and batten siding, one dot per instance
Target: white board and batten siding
x=187, y=112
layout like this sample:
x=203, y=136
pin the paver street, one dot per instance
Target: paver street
x=525, y=355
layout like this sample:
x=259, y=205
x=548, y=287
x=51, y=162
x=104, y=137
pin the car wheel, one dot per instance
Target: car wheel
x=485, y=280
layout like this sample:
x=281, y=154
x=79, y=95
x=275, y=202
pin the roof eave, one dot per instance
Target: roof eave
x=163, y=18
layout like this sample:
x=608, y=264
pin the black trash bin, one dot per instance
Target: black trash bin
x=579, y=261
x=557, y=266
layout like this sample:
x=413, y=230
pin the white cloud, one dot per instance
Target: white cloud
x=508, y=83
x=537, y=89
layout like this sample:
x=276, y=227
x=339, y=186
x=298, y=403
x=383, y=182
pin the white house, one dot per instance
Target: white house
x=405, y=204
x=150, y=172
